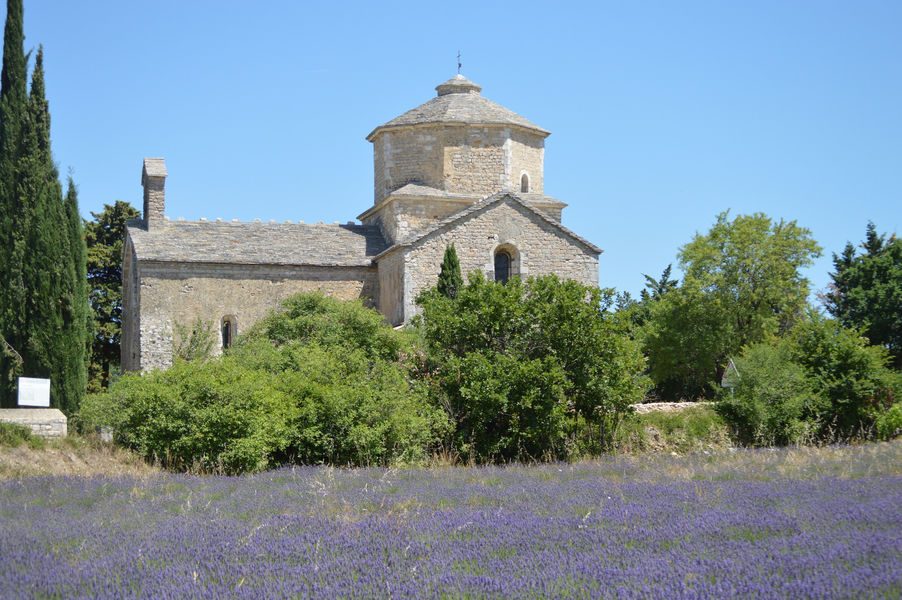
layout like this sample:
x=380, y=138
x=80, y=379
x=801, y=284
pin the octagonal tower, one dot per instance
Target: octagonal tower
x=450, y=152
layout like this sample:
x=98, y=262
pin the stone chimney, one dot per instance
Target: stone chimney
x=153, y=178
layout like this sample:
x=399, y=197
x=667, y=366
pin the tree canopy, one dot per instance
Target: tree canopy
x=742, y=283
x=104, y=236
x=528, y=368
x=42, y=294
x=866, y=290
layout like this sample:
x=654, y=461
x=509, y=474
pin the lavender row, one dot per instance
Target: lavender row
x=549, y=531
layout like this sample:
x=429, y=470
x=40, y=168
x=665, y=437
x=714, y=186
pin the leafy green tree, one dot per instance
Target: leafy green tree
x=105, y=235
x=56, y=333
x=194, y=341
x=687, y=337
x=528, y=369
x=866, y=290
x=753, y=265
x=449, y=278
x=742, y=284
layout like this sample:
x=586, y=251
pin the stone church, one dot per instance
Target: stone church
x=459, y=168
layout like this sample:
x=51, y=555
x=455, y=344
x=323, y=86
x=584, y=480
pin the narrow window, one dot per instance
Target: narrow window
x=524, y=183
x=228, y=332
x=502, y=266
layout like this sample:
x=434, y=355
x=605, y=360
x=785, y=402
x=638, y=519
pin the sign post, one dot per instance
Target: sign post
x=34, y=392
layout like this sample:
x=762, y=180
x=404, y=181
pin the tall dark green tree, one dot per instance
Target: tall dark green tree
x=866, y=291
x=54, y=313
x=80, y=326
x=14, y=215
x=449, y=278
x=104, y=236
x=43, y=298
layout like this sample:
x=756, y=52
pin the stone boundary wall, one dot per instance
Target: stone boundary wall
x=667, y=406
x=45, y=422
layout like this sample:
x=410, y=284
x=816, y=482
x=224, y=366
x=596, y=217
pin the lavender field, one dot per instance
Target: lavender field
x=804, y=523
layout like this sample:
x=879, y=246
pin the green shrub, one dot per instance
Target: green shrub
x=690, y=429
x=322, y=382
x=850, y=374
x=822, y=382
x=528, y=369
x=889, y=423
x=13, y=435
x=774, y=401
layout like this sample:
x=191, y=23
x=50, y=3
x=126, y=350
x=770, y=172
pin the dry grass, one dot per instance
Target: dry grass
x=869, y=459
x=74, y=455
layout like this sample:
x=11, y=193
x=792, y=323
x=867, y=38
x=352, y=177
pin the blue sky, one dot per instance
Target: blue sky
x=662, y=114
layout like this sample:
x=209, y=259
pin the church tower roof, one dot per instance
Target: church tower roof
x=459, y=101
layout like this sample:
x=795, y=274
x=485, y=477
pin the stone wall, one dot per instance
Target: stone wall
x=130, y=349
x=45, y=422
x=179, y=293
x=412, y=155
x=391, y=287
x=527, y=153
x=401, y=216
x=478, y=160
x=538, y=248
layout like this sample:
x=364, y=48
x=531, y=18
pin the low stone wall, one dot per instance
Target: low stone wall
x=667, y=406
x=45, y=422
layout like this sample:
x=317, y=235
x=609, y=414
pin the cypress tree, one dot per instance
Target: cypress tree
x=14, y=214
x=43, y=293
x=54, y=316
x=449, y=278
x=79, y=329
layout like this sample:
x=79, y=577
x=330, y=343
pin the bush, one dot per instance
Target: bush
x=774, y=401
x=822, y=382
x=324, y=381
x=13, y=435
x=690, y=429
x=528, y=369
x=850, y=374
x=889, y=424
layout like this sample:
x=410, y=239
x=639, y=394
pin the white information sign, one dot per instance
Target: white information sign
x=34, y=392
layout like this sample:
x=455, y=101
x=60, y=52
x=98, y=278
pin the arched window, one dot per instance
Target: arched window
x=524, y=183
x=502, y=266
x=229, y=331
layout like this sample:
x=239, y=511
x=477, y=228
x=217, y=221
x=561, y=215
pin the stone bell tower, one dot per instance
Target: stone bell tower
x=449, y=153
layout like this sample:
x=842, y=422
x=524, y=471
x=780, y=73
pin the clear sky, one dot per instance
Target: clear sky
x=662, y=113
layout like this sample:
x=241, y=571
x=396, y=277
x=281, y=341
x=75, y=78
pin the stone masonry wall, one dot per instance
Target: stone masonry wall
x=399, y=218
x=406, y=156
x=181, y=292
x=538, y=248
x=45, y=422
x=527, y=156
x=479, y=160
x=476, y=160
x=391, y=288
x=130, y=349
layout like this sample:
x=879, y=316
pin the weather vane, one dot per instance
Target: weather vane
x=458, y=62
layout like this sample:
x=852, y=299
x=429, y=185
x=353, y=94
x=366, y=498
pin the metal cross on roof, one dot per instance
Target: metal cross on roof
x=458, y=62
